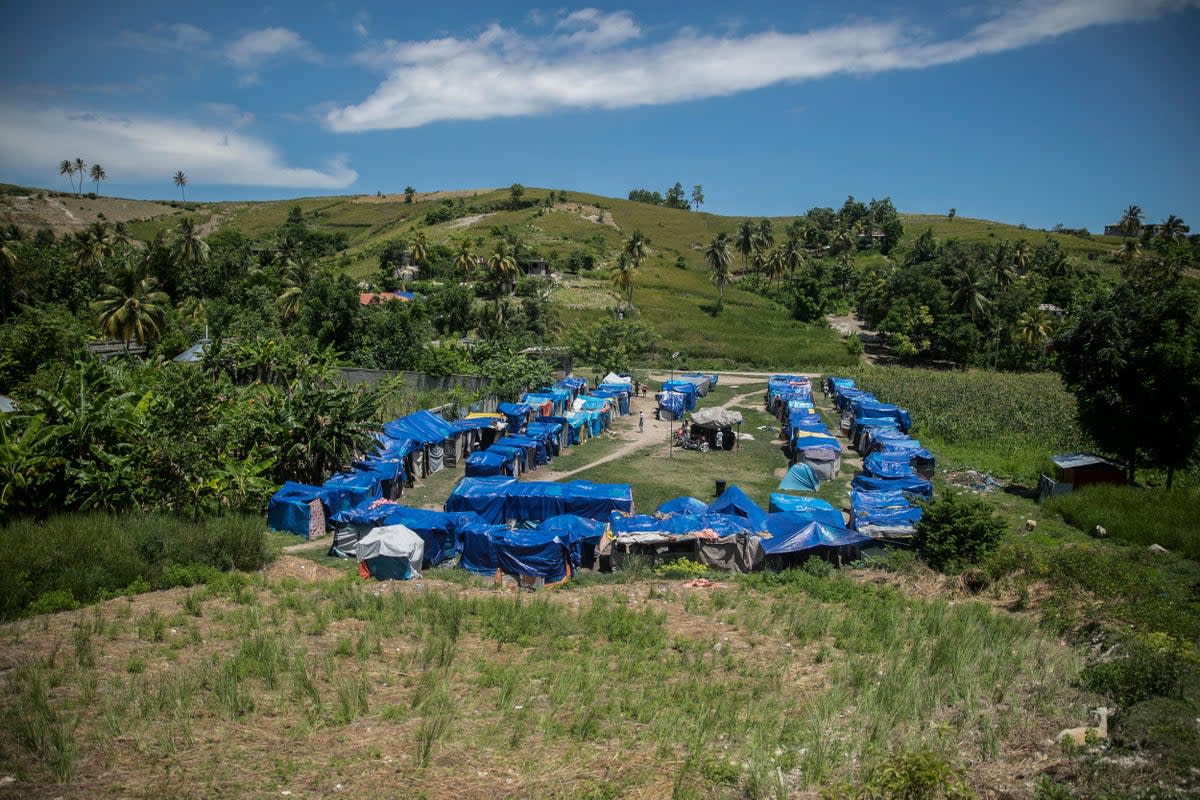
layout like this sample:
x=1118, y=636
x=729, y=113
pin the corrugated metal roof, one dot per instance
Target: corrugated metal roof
x=1077, y=460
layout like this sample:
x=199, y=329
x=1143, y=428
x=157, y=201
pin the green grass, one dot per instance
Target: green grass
x=1135, y=515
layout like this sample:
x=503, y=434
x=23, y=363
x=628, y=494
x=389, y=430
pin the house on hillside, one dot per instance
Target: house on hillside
x=1073, y=470
x=367, y=298
x=536, y=268
x=1115, y=229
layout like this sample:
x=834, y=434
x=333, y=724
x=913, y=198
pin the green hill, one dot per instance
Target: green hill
x=675, y=302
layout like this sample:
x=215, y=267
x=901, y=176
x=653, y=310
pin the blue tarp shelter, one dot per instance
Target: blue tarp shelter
x=497, y=500
x=535, y=553
x=478, y=549
x=347, y=489
x=437, y=529
x=487, y=463
x=292, y=509
x=420, y=426
x=683, y=505
x=813, y=508
x=684, y=388
x=734, y=501
x=912, y=485
x=792, y=534
x=799, y=478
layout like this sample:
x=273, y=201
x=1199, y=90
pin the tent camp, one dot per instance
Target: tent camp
x=533, y=555
x=683, y=505
x=795, y=538
x=734, y=501
x=825, y=462
x=490, y=462
x=813, y=508
x=497, y=500
x=390, y=552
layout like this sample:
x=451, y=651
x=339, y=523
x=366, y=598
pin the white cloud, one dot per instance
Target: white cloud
x=253, y=49
x=172, y=38
x=588, y=61
x=138, y=148
x=237, y=118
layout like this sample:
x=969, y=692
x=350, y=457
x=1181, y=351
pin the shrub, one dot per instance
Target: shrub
x=913, y=775
x=955, y=531
x=1147, y=666
x=52, y=602
x=680, y=568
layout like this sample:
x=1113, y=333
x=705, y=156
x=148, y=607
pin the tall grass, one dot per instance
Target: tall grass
x=79, y=558
x=1139, y=516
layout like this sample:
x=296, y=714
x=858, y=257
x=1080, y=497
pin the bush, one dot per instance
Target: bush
x=915, y=775
x=956, y=531
x=1162, y=728
x=1147, y=666
x=680, y=568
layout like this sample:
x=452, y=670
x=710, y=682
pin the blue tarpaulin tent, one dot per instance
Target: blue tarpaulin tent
x=499, y=499
x=734, y=501
x=794, y=534
x=517, y=414
x=421, y=426
x=437, y=529
x=799, y=478
x=812, y=507
x=487, y=463
x=912, y=485
x=291, y=509
x=684, y=388
x=683, y=505
x=478, y=549
x=535, y=553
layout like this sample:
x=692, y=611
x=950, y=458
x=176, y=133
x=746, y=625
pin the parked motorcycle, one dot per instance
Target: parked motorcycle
x=691, y=442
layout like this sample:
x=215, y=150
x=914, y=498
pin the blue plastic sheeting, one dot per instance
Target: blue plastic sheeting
x=683, y=505
x=674, y=402
x=793, y=534
x=734, y=501
x=888, y=465
x=894, y=441
x=875, y=409
x=841, y=383
x=799, y=478
x=571, y=382
x=363, y=515
x=572, y=527
x=620, y=397
x=885, y=517
x=712, y=379
x=539, y=448
x=390, y=448
x=811, y=439
x=813, y=508
x=488, y=463
x=515, y=414
x=720, y=524
x=516, y=455
x=621, y=525
x=499, y=499
x=912, y=485
x=383, y=468
x=533, y=552
x=684, y=388
x=288, y=508
x=421, y=426
x=437, y=529
x=484, y=496
x=347, y=489
x=473, y=423
x=862, y=498
x=549, y=432
x=594, y=420
x=844, y=398
x=478, y=548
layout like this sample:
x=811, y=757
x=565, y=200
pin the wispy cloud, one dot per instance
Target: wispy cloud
x=137, y=148
x=236, y=116
x=167, y=38
x=251, y=50
x=588, y=59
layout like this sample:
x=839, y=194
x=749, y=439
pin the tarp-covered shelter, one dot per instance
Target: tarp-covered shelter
x=883, y=513
x=684, y=388
x=813, y=508
x=488, y=463
x=497, y=500
x=799, y=478
x=390, y=552
x=825, y=462
x=516, y=415
x=297, y=508
x=347, y=489
x=914, y=485
x=478, y=551
x=795, y=535
x=683, y=505
x=671, y=405
x=736, y=502
x=699, y=381
x=535, y=553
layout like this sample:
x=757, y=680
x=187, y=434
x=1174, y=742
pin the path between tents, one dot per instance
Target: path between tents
x=654, y=434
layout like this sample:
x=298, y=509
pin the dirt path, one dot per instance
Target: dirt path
x=655, y=433
x=853, y=325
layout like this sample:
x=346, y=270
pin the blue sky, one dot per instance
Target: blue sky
x=1037, y=112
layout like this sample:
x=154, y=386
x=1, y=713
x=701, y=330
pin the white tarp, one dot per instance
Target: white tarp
x=614, y=378
x=716, y=418
x=396, y=541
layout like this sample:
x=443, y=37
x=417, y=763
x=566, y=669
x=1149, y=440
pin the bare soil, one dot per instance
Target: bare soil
x=65, y=213
x=419, y=197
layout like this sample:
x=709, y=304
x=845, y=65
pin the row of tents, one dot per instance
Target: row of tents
x=897, y=471
x=512, y=440
x=682, y=394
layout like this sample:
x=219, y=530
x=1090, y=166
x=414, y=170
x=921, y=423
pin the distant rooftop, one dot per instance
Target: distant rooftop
x=1077, y=460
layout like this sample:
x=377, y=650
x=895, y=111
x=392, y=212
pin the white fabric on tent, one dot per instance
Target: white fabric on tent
x=614, y=378
x=397, y=541
x=716, y=417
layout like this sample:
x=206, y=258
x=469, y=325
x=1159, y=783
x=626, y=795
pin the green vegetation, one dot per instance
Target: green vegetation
x=1138, y=516
x=72, y=559
x=956, y=530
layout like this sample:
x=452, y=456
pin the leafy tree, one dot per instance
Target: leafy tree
x=189, y=250
x=409, y=192
x=98, y=174
x=418, y=249
x=449, y=308
x=675, y=197
x=646, y=196
x=1132, y=360
x=391, y=335
x=510, y=373
x=955, y=531
x=697, y=196
x=969, y=297
x=611, y=345
x=180, y=180
x=515, y=193
x=132, y=308
x=923, y=250
x=502, y=263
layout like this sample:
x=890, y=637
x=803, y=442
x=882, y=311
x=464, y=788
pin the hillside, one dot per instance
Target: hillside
x=676, y=302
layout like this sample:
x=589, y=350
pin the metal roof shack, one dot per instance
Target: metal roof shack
x=1082, y=469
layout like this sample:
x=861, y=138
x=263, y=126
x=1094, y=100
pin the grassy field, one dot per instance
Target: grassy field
x=1136, y=515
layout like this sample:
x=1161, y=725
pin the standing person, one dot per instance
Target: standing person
x=720, y=437
x=641, y=422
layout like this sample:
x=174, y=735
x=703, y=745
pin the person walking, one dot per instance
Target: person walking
x=641, y=422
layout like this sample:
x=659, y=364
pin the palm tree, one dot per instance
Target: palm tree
x=180, y=180
x=290, y=301
x=1131, y=221
x=133, y=307
x=764, y=235
x=1130, y=251
x=968, y=296
x=635, y=248
x=98, y=174
x=93, y=247
x=775, y=264
x=1000, y=266
x=502, y=263
x=718, y=258
x=8, y=263
x=464, y=258
x=81, y=168
x=65, y=167
x=418, y=249
x=793, y=255
x=189, y=249
x=624, y=275
x=1172, y=228
x=746, y=234
x=1034, y=329
x=1022, y=256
